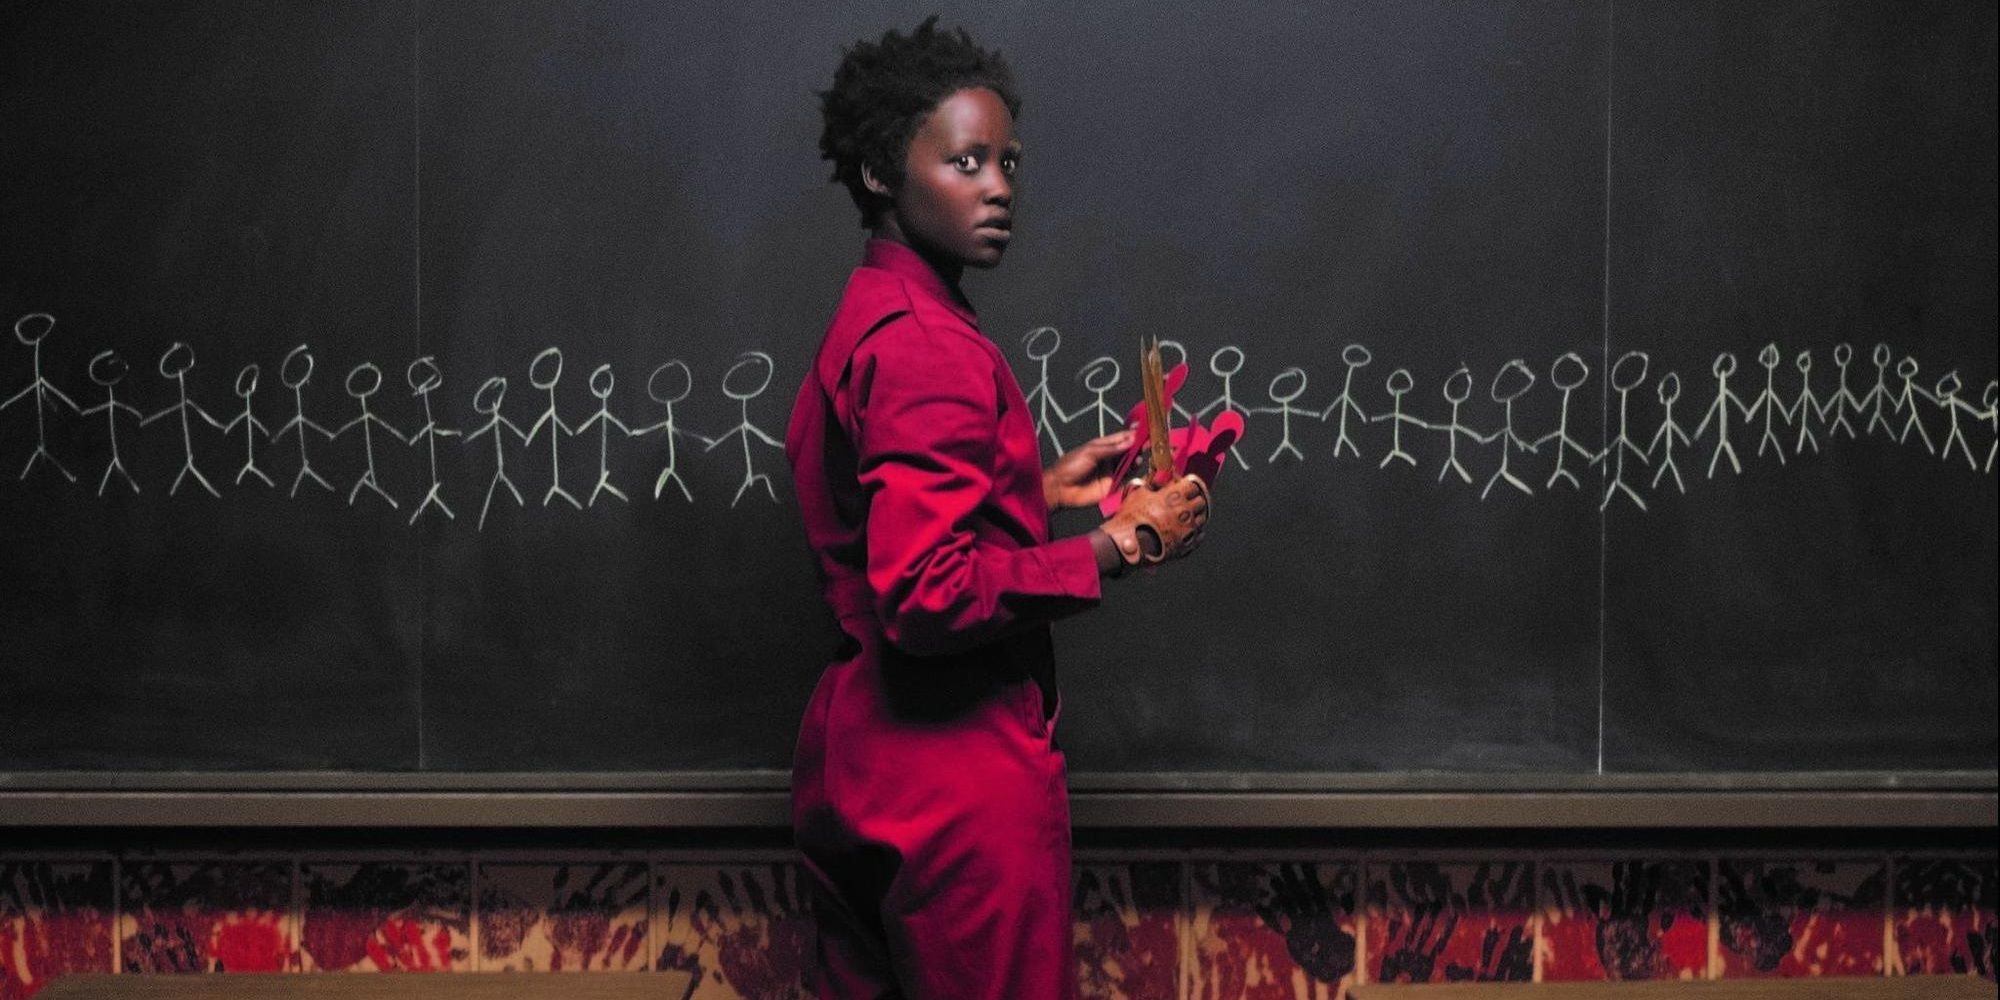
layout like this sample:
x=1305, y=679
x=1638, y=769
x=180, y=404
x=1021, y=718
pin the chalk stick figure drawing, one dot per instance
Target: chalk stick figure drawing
x=30, y=330
x=1991, y=414
x=1907, y=400
x=660, y=386
x=1567, y=373
x=246, y=387
x=1670, y=433
x=1947, y=396
x=601, y=383
x=1510, y=383
x=1041, y=344
x=1224, y=364
x=543, y=373
x=1286, y=386
x=1355, y=357
x=363, y=381
x=1099, y=377
x=749, y=363
x=1627, y=374
x=108, y=369
x=487, y=400
x=295, y=373
x=174, y=364
x=1398, y=383
x=1878, y=395
x=1806, y=404
x=1718, y=411
x=1843, y=399
x=424, y=379
x=1767, y=401
x=1457, y=389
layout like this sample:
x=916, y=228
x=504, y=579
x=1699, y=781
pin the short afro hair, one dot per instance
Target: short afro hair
x=884, y=90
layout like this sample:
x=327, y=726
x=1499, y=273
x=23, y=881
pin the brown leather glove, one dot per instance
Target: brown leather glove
x=1155, y=525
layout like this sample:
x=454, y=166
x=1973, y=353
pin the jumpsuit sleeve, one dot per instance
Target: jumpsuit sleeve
x=927, y=409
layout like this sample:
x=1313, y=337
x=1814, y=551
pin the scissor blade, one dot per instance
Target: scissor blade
x=1161, y=450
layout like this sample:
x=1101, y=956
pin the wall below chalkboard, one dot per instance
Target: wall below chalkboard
x=1171, y=918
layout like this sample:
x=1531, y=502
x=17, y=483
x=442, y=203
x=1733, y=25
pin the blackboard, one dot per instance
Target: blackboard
x=617, y=208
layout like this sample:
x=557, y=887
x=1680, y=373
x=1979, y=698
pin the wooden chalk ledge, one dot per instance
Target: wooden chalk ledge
x=1830, y=988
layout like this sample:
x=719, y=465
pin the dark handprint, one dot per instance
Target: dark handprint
x=1981, y=947
x=1300, y=910
x=762, y=939
x=1416, y=940
x=1748, y=927
x=1625, y=945
x=1511, y=962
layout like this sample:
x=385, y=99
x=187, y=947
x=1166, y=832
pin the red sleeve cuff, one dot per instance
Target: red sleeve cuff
x=1072, y=567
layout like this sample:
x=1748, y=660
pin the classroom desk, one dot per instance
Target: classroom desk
x=387, y=986
x=1831, y=988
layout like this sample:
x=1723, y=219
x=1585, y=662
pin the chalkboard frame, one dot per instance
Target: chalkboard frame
x=760, y=799
x=1570, y=47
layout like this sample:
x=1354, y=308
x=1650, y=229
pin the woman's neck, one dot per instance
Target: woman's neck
x=946, y=268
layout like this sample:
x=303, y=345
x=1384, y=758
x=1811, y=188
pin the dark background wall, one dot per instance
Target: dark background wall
x=1445, y=185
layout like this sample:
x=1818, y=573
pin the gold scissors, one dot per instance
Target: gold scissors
x=1160, y=451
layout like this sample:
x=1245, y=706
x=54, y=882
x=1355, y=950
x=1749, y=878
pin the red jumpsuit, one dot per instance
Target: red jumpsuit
x=928, y=795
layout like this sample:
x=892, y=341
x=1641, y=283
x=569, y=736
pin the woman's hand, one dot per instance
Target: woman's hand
x=1082, y=476
x=1155, y=525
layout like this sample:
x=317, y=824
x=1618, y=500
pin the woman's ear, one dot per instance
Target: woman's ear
x=873, y=183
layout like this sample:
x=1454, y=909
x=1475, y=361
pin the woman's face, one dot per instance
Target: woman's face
x=955, y=205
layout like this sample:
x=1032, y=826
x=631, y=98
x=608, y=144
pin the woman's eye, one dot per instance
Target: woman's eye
x=1008, y=165
x=967, y=163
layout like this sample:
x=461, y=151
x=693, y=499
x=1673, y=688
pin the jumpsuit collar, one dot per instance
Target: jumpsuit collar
x=905, y=263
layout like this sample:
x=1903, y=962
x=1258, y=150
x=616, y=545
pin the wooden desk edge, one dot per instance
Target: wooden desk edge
x=377, y=986
x=1821, y=988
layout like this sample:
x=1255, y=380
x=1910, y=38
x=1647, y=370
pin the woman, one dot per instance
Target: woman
x=928, y=795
